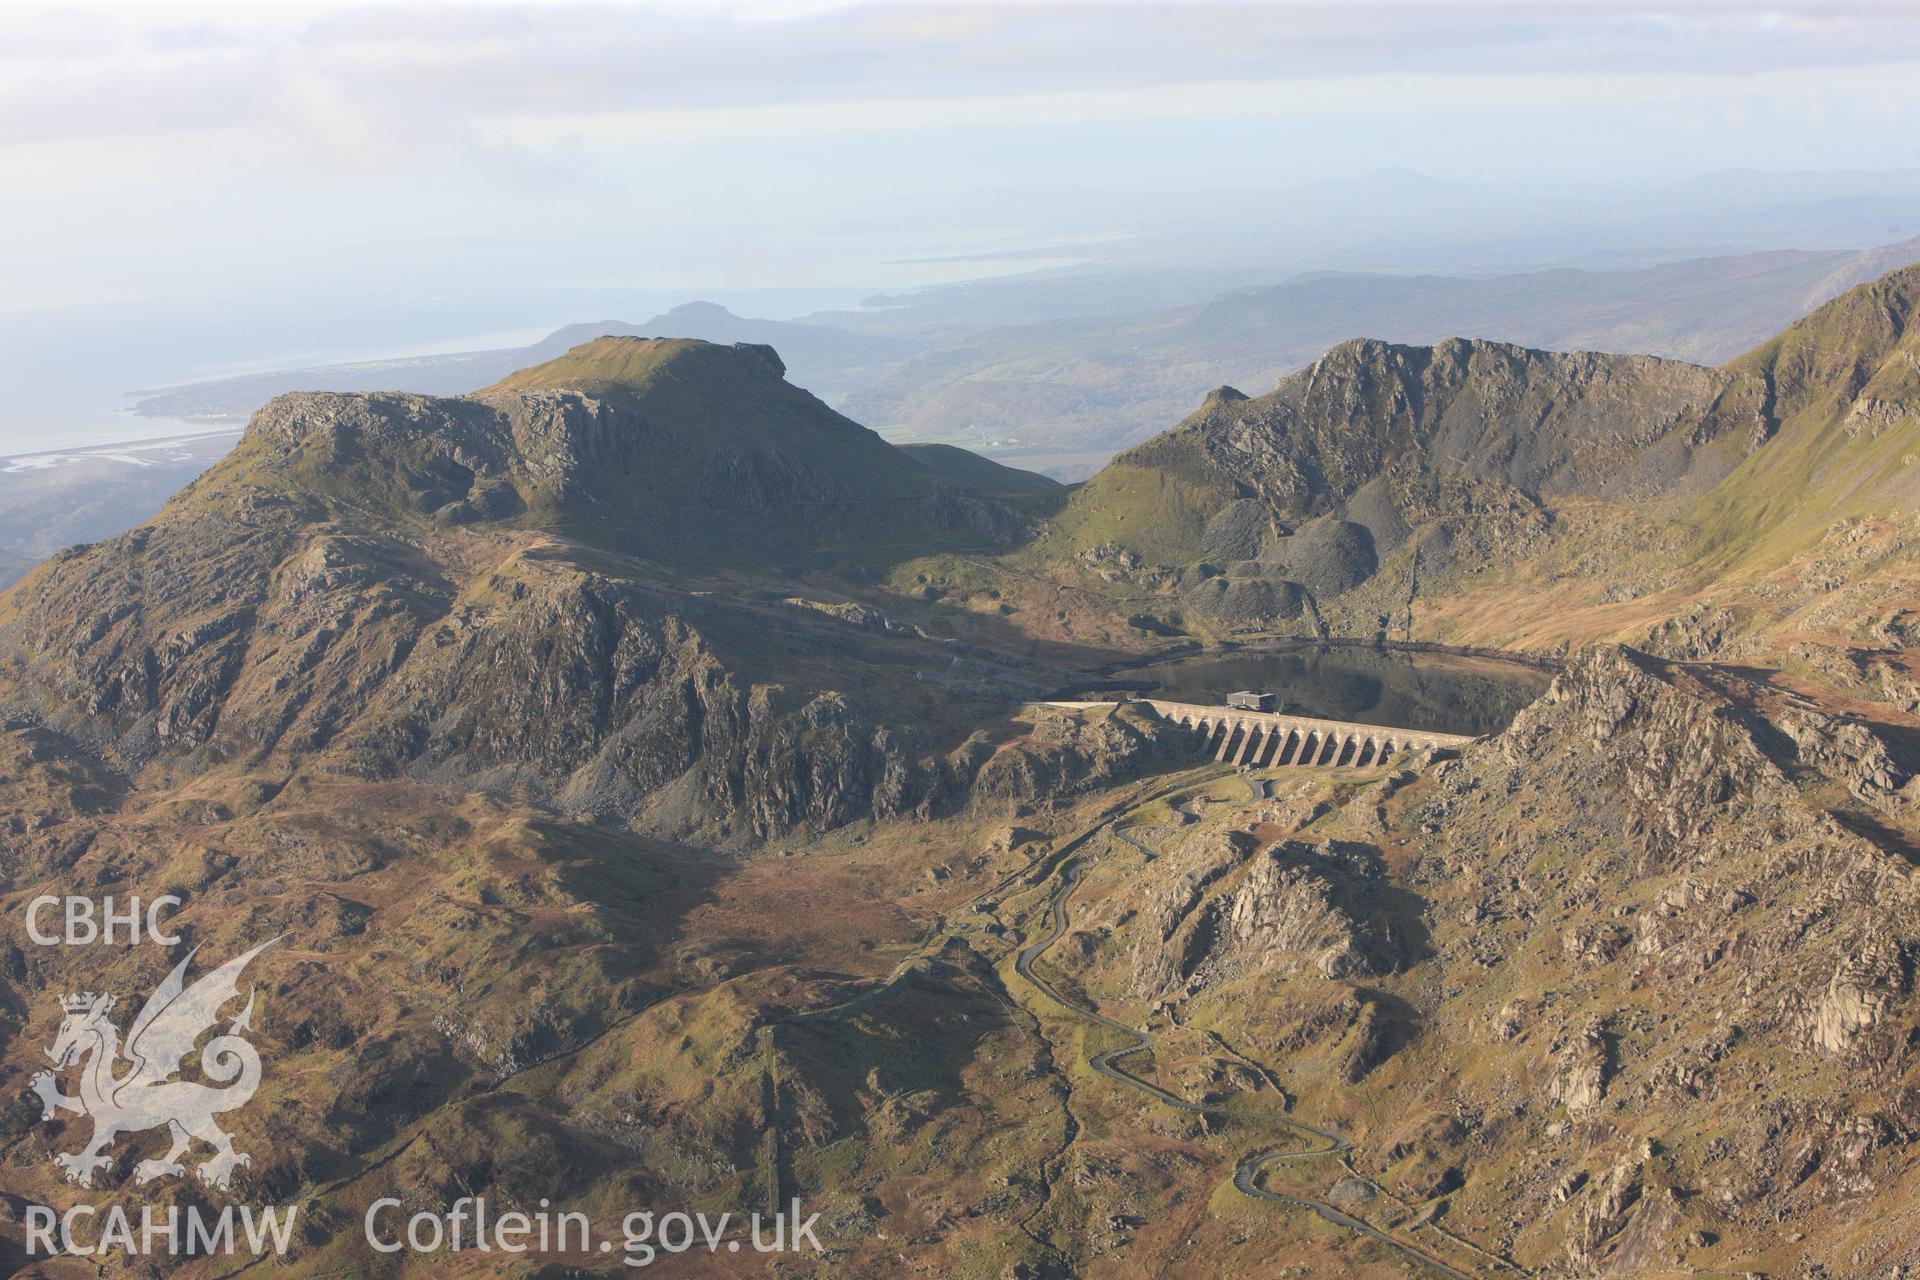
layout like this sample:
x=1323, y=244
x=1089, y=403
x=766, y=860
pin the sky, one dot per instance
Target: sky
x=191, y=189
x=155, y=149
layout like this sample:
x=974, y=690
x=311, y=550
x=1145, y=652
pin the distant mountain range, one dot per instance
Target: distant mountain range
x=1429, y=493
x=827, y=361
x=1083, y=380
x=1103, y=384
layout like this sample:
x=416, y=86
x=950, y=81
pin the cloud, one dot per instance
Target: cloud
x=355, y=80
x=1305, y=100
x=159, y=147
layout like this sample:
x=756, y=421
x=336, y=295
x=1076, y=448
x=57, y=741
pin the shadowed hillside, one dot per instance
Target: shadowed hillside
x=625, y=843
x=679, y=451
x=1424, y=492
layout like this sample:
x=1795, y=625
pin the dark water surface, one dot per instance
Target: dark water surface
x=1410, y=689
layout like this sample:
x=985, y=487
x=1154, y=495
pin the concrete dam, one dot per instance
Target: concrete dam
x=1268, y=739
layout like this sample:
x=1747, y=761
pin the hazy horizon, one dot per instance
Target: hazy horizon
x=209, y=189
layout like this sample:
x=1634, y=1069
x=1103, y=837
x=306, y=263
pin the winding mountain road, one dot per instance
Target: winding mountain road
x=1247, y=1173
x=1064, y=862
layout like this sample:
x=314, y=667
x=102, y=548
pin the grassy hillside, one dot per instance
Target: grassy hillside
x=1845, y=394
x=1111, y=381
x=681, y=451
x=1478, y=493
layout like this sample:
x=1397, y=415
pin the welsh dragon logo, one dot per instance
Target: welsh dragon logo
x=145, y=1095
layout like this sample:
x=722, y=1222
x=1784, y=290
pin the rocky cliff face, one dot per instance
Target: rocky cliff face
x=1429, y=493
x=1392, y=467
x=1215, y=908
x=368, y=582
x=1542, y=423
x=1694, y=939
x=1630, y=985
x=525, y=672
x=684, y=452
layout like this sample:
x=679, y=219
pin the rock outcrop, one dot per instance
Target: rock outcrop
x=1648, y=887
x=373, y=579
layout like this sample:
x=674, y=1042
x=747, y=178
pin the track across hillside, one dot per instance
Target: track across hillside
x=1246, y=1174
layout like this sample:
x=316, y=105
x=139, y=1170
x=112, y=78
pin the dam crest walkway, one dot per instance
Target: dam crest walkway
x=1270, y=739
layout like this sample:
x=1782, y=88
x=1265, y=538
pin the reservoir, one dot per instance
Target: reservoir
x=1408, y=688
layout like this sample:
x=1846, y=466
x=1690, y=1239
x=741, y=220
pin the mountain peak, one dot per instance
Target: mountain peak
x=701, y=310
x=635, y=363
x=685, y=450
x=1837, y=352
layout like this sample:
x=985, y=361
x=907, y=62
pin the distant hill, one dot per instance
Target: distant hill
x=1434, y=493
x=824, y=360
x=562, y=519
x=1090, y=384
x=1382, y=470
x=1059, y=396
x=679, y=450
x=971, y=471
x=1106, y=363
